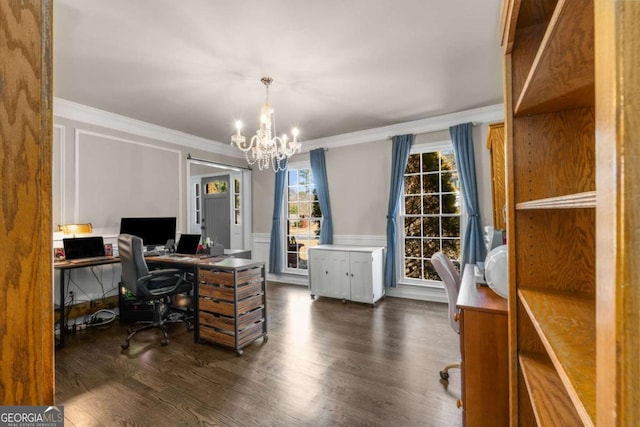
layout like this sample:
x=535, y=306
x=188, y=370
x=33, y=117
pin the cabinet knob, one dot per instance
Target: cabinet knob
x=456, y=317
x=347, y=273
x=326, y=272
x=459, y=403
x=351, y=274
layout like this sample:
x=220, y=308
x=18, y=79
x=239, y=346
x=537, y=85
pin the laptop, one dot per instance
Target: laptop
x=83, y=249
x=188, y=244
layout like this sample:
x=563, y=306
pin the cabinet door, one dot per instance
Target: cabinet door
x=339, y=275
x=329, y=273
x=319, y=272
x=360, y=266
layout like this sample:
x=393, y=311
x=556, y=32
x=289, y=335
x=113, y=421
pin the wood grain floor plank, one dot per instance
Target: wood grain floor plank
x=326, y=363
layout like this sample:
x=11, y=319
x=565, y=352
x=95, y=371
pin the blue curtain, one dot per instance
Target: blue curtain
x=319, y=170
x=461, y=136
x=400, y=155
x=275, y=247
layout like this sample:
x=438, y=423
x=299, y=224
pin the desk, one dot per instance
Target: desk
x=192, y=264
x=63, y=266
x=484, y=351
x=189, y=264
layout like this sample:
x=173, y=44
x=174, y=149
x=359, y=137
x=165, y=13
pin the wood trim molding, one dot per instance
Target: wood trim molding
x=26, y=331
x=83, y=113
x=79, y=132
x=488, y=114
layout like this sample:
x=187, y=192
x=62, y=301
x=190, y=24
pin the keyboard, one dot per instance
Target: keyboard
x=91, y=259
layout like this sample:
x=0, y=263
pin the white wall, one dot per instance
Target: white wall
x=358, y=172
x=91, y=147
x=106, y=167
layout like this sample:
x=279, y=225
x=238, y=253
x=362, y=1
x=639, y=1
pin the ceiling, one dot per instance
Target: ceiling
x=339, y=66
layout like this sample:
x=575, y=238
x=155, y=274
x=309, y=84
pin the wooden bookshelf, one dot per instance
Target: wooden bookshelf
x=551, y=404
x=571, y=85
x=572, y=201
x=562, y=74
x=565, y=324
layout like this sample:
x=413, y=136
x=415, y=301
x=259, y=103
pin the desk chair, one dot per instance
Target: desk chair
x=155, y=287
x=451, y=279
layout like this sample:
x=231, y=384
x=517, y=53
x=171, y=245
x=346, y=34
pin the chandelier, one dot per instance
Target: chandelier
x=266, y=148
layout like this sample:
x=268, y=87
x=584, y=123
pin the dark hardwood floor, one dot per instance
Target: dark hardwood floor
x=325, y=363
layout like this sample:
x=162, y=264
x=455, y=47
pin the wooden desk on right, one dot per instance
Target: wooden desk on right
x=485, y=355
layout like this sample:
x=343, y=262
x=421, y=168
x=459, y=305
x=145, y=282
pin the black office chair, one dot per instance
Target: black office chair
x=155, y=287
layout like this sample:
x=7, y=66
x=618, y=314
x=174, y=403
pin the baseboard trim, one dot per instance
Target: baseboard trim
x=422, y=293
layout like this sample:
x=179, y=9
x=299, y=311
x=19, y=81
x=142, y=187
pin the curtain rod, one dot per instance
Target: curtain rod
x=217, y=164
x=431, y=131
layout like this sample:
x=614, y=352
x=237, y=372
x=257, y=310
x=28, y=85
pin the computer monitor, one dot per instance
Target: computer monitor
x=188, y=244
x=153, y=231
x=83, y=247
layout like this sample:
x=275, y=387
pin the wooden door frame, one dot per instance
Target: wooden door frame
x=26, y=235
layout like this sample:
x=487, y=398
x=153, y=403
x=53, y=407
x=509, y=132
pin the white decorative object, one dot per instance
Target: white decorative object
x=495, y=271
x=354, y=273
x=266, y=147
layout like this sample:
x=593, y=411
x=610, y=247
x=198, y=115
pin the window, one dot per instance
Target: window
x=431, y=212
x=215, y=187
x=302, y=217
x=196, y=203
x=236, y=201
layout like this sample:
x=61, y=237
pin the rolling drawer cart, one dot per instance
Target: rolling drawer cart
x=232, y=305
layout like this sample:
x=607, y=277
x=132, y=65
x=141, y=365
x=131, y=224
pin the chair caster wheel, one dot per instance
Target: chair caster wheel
x=164, y=342
x=444, y=375
x=124, y=345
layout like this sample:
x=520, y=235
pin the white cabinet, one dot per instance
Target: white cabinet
x=353, y=273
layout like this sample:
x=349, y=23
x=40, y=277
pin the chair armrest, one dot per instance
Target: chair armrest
x=143, y=282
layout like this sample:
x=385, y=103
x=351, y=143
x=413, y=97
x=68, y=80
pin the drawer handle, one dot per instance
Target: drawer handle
x=459, y=403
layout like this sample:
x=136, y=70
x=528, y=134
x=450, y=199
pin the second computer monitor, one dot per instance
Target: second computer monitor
x=154, y=231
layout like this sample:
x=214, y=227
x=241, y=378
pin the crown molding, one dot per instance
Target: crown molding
x=94, y=116
x=83, y=113
x=487, y=114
